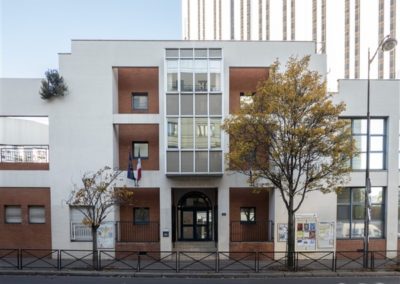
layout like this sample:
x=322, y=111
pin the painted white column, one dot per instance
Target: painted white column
x=223, y=219
x=165, y=218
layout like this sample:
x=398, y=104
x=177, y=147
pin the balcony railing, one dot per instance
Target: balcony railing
x=252, y=232
x=24, y=154
x=130, y=232
x=80, y=232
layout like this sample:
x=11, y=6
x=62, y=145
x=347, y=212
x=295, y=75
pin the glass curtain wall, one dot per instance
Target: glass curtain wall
x=194, y=110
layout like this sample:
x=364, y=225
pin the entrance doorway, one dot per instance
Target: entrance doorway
x=195, y=217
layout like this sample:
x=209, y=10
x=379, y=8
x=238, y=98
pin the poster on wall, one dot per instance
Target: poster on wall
x=306, y=227
x=106, y=236
x=282, y=232
x=326, y=235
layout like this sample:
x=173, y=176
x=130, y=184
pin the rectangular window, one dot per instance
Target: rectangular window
x=194, y=110
x=13, y=214
x=37, y=215
x=377, y=143
x=79, y=231
x=245, y=99
x=350, y=213
x=140, y=149
x=247, y=214
x=140, y=101
x=141, y=215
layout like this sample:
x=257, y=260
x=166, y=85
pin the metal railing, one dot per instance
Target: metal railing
x=181, y=261
x=251, y=232
x=24, y=153
x=130, y=232
x=80, y=232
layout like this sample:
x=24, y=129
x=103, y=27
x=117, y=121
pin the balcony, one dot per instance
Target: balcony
x=125, y=232
x=130, y=232
x=80, y=232
x=252, y=232
x=24, y=157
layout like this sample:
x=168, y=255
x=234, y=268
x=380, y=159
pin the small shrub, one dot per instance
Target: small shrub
x=53, y=85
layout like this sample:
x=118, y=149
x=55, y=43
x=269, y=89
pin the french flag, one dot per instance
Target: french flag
x=139, y=168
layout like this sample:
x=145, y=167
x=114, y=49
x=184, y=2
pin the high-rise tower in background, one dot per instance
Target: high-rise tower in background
x=343, y=29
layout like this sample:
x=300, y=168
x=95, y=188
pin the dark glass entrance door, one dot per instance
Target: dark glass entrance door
x=195, y=218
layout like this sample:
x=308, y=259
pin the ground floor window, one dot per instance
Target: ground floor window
x=350, y=213
x=141, y=215
x=13, y=214
x=247, y=215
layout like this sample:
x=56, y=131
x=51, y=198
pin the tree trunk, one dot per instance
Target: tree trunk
x=95, y=257
x=291, y=237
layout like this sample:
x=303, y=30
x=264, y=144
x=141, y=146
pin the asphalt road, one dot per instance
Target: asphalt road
x=5, y=279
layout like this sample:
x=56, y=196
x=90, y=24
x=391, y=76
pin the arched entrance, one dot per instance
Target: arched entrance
x=195, y=218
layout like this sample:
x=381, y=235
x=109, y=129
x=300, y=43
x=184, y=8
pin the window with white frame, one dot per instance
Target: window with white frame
x=79, y=230
x=140, y=149
x=37, y=215
x=13, y=214
x=350, y=213
x=377, y=143
x=140, y=101
x=194, y=110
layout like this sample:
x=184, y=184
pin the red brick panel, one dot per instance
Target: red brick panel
x=139, y=133
x=137, y=79
x=24, y=166
x=245, y=197
x=143, y=197
x=25, y=235
x=358, y=244
x=243, y=79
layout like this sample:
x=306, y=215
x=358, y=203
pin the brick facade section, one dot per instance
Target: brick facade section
x=144, y=197
x=246, y=237
x=140, y=133
x=251, y=247
x=244, y=79
x=354, y=245
x=24, y=166
x=25, y=235
x=140, y=80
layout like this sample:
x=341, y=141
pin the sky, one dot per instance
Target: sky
x=32, y=32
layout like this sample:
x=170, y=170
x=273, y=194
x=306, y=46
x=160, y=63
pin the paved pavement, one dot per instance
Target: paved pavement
x=155, y=274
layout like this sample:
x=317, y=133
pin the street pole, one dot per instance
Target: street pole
x=386, y=44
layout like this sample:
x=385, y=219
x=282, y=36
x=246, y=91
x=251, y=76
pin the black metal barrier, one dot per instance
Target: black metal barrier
x=195, y=261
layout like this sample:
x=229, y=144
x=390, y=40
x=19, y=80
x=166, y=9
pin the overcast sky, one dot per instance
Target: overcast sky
x=32, y=32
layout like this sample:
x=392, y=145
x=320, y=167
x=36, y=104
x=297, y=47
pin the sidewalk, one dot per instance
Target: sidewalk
x=161, y=274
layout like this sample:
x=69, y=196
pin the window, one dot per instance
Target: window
x=141, y=215
x=140, y=149
x=193, y=110
x=377, y=143
x=37, y=215
x=140, y=101
x=247, y=214
x=13, y=214
x=79, y=231
x=350, y=213
x=245, y=99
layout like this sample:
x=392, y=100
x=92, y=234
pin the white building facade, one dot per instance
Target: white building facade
x=168, y=99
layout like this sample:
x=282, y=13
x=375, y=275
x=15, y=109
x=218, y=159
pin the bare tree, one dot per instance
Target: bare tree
x=96, y=197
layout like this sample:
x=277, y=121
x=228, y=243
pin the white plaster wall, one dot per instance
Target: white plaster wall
x=82, y=135
x=14, y=131
x=385, y=102
x=20, y=97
